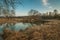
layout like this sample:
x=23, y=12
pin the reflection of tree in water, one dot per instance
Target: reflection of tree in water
x=8, y=26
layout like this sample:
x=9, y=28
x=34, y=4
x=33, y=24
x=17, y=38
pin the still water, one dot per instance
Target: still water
x=17, y=26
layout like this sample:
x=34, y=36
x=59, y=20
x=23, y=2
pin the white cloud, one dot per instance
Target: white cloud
x=45, y=2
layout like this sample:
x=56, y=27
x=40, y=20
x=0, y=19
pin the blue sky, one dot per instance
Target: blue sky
x=40, y=5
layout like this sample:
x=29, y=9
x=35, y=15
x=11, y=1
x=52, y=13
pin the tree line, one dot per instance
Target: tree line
x=49, y=15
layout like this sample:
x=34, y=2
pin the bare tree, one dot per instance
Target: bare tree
x=1, y=7
x=13, y=13
x=56, y=12
x=34, y=13
x=9, y=5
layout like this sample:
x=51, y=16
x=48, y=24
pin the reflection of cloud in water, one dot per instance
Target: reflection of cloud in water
x=22, y=26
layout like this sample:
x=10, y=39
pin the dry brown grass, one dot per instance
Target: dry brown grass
x=47, y=31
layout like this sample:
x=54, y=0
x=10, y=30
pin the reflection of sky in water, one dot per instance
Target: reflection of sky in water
x=17, y=26
x=1, y=28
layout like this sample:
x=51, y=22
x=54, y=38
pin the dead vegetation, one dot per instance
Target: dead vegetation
x=47, y=31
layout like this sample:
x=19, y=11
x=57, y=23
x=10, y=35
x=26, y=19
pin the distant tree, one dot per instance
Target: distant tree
x=5, y=12
x=56, y=12
x=34, y=13
x=12, y=13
